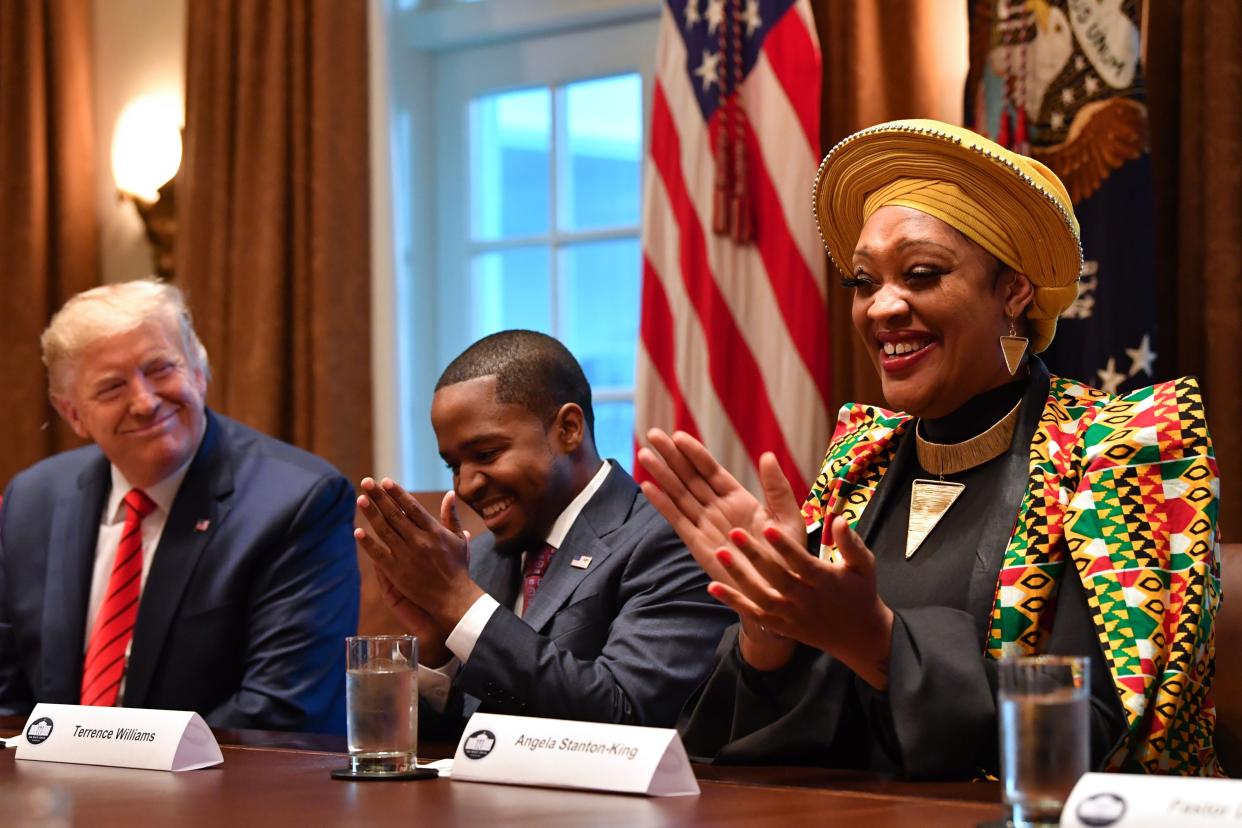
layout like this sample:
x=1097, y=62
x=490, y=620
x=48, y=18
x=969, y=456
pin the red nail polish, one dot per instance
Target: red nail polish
x=724, y=556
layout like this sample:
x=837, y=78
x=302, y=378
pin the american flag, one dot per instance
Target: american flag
x=734, y=332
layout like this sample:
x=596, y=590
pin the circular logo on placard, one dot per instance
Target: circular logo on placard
x=479, y=744
x=39, y=730
x=1101, y=810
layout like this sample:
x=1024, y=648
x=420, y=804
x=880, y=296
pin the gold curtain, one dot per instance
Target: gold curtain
x=273, y=219
x=883, y=59
x=1194, y=70
x=48, y=227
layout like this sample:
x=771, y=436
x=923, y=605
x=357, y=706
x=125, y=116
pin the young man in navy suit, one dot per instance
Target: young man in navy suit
x=580, y=602
x=183, y=561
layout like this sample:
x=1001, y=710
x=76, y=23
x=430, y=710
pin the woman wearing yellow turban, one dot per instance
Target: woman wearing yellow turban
x=997, y=511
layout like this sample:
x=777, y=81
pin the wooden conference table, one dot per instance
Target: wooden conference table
x=278, y=779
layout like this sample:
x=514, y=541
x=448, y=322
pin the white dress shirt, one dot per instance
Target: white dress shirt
x=434, y=683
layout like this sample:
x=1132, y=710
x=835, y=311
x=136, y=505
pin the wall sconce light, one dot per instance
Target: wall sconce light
x=146, y=153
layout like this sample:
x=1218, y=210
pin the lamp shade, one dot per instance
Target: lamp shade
x=146, y=145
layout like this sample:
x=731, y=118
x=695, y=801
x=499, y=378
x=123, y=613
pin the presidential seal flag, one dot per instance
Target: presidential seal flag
x=734, y=337
x=1061, y=81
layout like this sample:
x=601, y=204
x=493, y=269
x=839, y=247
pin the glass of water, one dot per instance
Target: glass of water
x=381, y=699
x=1044, y=733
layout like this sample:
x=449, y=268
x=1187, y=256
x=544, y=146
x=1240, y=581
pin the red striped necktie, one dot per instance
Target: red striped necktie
x=532, y=573
x=114, y=625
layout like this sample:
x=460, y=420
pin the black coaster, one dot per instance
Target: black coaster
x=356, y=776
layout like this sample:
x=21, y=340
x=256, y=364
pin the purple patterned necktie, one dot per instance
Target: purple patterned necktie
x=532, y=573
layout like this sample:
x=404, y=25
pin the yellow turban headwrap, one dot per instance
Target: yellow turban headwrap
x=1011, y=205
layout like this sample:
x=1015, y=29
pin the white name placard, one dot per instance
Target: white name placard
x=519, y=750
x=1122, y=800
x=122, y=737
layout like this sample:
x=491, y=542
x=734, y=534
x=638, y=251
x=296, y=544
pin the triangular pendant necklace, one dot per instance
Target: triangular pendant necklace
x=930, y=500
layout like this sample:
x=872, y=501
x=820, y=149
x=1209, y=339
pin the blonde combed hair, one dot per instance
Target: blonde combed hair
x=111, y=310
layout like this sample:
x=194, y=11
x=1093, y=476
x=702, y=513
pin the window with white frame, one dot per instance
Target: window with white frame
x=537, y=145
x=553, y=245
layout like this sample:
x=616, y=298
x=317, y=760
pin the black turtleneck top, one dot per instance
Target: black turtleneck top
x=940, y=571
x=949, y=568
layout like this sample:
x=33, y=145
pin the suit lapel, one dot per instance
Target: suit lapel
x=496, y=573
x=204, y=495
x=602, y=514
x=884, y=489
x=67, y=590
x=1001, y=520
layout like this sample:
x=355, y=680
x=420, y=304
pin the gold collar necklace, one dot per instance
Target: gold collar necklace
x=931, y=499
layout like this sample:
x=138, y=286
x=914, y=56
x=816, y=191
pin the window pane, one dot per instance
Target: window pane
x=597, y=308
x=601, y=153
x=510, y=133
x=509, y=289
x=614, y=432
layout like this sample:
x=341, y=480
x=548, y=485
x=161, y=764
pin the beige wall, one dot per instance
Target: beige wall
x=139, y=48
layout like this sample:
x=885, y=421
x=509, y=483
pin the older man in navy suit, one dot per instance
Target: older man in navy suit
x=183, y=561
x=580, y=602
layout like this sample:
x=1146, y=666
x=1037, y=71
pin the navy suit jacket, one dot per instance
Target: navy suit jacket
x=625, y=639
x=249, y=595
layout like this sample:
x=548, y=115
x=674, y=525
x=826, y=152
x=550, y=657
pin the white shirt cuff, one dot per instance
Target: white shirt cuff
x=466, y=634
x=434, y=683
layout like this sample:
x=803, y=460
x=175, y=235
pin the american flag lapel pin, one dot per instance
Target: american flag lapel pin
x=203, y=525
x=581, y=562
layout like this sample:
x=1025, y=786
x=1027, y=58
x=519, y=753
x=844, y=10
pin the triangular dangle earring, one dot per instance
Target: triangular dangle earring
x=1014, y=348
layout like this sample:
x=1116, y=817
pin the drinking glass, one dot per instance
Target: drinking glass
x=381, y=699
x=1044, y=733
